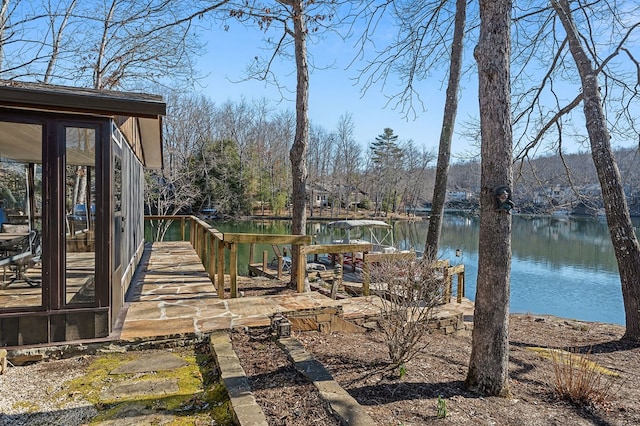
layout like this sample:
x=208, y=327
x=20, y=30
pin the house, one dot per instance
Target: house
x=556, y=195
x=458, y=195
x=318, y=196
x=72, y=160
x=328, y=195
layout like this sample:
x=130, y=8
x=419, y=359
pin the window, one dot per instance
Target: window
x=80, y=202
x=20, y=215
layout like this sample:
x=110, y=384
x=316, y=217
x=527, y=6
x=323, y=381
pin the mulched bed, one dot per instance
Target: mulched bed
x=286, y=397
x=360, y=364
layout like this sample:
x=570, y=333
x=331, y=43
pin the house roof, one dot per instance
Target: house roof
x=356, y=223
x=147, y=110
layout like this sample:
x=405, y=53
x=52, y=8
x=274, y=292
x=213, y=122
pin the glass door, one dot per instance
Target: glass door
x=20, y=215
x=80, y=215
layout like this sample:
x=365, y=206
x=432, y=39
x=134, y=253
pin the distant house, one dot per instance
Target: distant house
x=584, y=209
x=73, y=160
x=325, y=195
x=555, y=195
x=458, y=195
x=318, y=195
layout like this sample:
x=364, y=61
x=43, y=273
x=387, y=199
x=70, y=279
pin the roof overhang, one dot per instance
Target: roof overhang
x=358, y=223
x=146, y=109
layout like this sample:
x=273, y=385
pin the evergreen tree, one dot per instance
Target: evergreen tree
x=387, y=157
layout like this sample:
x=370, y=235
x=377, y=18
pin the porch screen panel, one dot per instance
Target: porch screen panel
x=80, y=196
x=20, y=215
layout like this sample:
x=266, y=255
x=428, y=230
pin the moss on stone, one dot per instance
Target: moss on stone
x=200, y=398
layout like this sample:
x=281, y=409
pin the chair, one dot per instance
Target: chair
x=25, y=253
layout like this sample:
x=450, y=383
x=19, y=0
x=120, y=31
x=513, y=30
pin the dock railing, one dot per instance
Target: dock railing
x=211, y=245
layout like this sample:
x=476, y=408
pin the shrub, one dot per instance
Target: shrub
x=579, y=380
x=409, y=291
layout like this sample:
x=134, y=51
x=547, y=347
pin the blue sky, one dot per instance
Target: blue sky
x=333, y=91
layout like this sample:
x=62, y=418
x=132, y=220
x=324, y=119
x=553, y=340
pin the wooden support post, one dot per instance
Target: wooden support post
x=458, y=270
x=212, y=258
x=251, y=250
x=233, y=270
x=280, y=266
x=203, y=244
x=446, y=282
x=366, y=275
x=220, y=268
x=335, y=283
x=302, y=266
x=265, y=262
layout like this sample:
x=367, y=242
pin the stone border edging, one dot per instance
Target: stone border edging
x=246, y=410
x=343, y=405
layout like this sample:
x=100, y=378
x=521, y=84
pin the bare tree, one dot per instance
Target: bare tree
x=488, y=366
x=186, y=129
x=416, y=174
x=4, y=14
x=346, y=160
x=621, y=230
x=115, y=44
x=292, y=19
x=424, y=31
x=446, y=134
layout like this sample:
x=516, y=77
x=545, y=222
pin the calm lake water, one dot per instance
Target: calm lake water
x=560, y=266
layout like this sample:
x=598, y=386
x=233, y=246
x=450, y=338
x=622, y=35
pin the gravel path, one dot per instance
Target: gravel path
x=30, y=395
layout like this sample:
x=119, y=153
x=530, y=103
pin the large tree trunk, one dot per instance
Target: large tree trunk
x=446, y=135
x=298, y=153
x=488, y=366
x=623, y=236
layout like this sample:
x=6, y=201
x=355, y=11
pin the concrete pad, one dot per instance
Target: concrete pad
x=156, y=361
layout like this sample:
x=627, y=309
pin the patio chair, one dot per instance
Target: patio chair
x=22, y=256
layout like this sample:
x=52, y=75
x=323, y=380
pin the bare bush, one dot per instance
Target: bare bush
x=409, y=291
x=579, y=380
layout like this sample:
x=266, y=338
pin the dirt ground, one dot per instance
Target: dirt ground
x=360, y=363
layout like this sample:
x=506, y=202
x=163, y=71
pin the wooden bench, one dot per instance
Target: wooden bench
x=329, y=276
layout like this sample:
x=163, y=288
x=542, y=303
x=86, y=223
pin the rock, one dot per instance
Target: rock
x=24, y=359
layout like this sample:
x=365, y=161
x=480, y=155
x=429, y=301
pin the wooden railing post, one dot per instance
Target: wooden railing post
x=233, y=270
x=366, y=275
x=302, y=266
x=212, y=257
x=220, y=268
